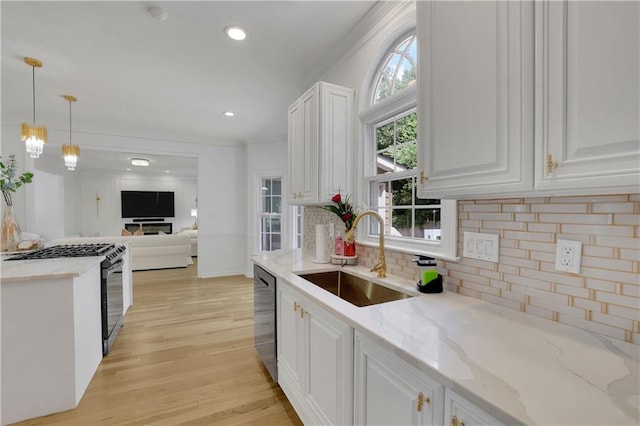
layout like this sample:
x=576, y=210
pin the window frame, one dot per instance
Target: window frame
x=399, y=104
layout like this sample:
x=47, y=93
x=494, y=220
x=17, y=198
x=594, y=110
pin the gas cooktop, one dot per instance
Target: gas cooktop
x=70, y=250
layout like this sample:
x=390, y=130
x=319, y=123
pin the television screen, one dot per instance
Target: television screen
x=147, y=204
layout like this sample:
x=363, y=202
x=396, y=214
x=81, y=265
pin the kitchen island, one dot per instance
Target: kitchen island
x=51, y=333
x=516, y=368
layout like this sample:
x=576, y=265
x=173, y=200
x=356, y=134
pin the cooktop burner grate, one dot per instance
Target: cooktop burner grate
x=70, y=250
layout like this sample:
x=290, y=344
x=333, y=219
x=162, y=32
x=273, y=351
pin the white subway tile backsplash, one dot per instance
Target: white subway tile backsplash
x=618, y=231
x=559, y=208
x=582, y=219
x=516, y=208
x=589, y=305
x=594, y=251
x=613, y=207
x=611, y=275
x=617, y=299
x=604, y=298
x=605, y=330
x=610, y=264
x=610, y=241
x=529, y=236
x=600, y=285
x=554, y=277
x=626, y=219
x=590, y=199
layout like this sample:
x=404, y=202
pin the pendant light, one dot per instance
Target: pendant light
x=70, y=152
x=34, y=136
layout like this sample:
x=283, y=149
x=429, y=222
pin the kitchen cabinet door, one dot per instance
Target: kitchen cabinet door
x=303, y=158
x=319, y=144
x=329, y=380
x=390, y=391
x=475, y=98
x=315, y=360
x=460, y=412
x=587, y=96
x=290, y=343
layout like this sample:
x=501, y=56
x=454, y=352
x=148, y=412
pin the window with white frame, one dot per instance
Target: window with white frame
x=271, y=214
x=391, y=138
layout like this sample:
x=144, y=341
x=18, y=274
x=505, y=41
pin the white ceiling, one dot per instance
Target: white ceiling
x=136, y=76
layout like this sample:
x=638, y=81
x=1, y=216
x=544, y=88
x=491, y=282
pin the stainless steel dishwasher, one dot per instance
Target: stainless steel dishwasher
x=264, y=318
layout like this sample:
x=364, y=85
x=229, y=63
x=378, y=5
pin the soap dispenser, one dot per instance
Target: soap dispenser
x=431, y=281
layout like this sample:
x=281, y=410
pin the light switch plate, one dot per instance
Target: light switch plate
x=568, y=255
x=481, y=246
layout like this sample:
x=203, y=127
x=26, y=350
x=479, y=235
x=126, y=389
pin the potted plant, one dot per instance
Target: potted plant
x=9, y=182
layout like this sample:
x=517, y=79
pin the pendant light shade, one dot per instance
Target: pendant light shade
x=70, y=152
x=34, y=136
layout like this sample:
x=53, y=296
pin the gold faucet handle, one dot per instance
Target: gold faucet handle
x=381, y=269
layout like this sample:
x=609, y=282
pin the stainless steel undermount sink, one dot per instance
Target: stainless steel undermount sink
x=355, y=290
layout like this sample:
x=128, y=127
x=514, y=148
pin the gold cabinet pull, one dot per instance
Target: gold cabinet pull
x=423, y=178
x=455, y=421
x=550, y=164
x=295, y=306
x=421, y=401
x=301, y=313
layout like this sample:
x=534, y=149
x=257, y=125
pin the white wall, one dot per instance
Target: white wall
x=264, y=160
x=49, y=206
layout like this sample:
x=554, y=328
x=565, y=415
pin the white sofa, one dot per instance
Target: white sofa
x=193, y=234
x=147, y=251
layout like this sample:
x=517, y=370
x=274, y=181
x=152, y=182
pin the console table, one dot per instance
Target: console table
x=150, y=228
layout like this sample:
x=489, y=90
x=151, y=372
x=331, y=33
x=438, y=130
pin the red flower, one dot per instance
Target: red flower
x=343, y=209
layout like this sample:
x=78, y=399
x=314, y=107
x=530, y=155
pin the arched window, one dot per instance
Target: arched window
x=411, y=223
x=397, y=71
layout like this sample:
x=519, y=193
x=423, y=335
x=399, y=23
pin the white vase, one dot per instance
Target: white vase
x=11, y=233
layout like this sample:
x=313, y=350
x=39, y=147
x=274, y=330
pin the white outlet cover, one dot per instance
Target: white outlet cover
x=568, y=255
x=481, y=246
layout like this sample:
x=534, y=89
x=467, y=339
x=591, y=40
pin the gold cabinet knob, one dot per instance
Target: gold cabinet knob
x=455, y=421
x=421, y=401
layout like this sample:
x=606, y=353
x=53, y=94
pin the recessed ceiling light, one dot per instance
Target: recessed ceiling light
x=140, y=162
x=167, y=171
x=128, y=169
x=229, y=113
x=236, y=33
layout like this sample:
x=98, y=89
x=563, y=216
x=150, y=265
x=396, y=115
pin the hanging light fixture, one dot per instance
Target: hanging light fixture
x=34, y=136
x=70, y=152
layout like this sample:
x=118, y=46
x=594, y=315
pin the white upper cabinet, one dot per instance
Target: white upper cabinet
x=320, y=144
x=588, y=96
x=303, y=148
x=475, y=98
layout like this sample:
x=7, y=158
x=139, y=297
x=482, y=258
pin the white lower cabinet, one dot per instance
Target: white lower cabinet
x=315, y=359
x=460, y=412
x=388, y=391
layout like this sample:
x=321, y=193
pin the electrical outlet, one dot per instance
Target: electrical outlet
x=568, y=255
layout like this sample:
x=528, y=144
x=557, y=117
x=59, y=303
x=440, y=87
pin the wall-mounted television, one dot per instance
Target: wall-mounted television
x=147, y=204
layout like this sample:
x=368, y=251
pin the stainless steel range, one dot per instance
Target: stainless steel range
x=110, y=280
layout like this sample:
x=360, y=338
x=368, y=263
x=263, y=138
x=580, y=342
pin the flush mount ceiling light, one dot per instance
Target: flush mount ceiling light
x=34, y=136
x=229, y=113
x=235, y=33
x=70, y=152
x=140, y=162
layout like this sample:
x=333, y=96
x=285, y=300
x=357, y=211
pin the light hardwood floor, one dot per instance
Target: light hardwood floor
x=184, y=356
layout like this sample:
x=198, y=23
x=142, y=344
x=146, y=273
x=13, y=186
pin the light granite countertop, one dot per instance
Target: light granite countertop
x=27, y=270
x=517, y=367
